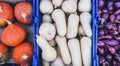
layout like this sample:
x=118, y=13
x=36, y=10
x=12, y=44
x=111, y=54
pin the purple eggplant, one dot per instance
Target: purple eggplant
x=101, y=32
x=109, y=26
x=105, y=16
x=119, y=28
x=105, y=37
x=109, y=58
x=117, y=37
x=112, y=18
x=111, y=50
x=117, y=4
x=114, y=62
x=101, y=3
x=105, y=11
x=101, y=44
x=117, y=12
x=111, y=42
x=102, y=60
x=101, y=51
x=117, y=47
x=117, y=57
x=117, y=18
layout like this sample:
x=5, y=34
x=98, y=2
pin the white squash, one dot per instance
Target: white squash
x=46, y=6
x=62, y=44
x=46, y=18
x=44, y=63
x=48, y=52
x=84, y=5
x=47, y=30
x=59, y=18
x=69, y=6
x=52, y=43
x=86, y=46
x=73, y=22
x=85, y=19
x=75, y=51
x=81, y=31
x=57, y=3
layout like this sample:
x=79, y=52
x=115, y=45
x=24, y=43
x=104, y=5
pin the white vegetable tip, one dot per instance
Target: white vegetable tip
x=57, y=3
x=69, y=6
x=47, y=30
x=46, y=18
x=46, y=6
x=86, y=46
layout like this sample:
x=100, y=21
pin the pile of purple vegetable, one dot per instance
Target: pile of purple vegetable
x=109, y=33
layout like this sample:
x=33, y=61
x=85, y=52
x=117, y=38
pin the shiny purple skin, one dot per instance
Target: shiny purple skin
x=118, y=57
x=111, y=42
x=101, y=3
x=101, y=44
x=105, y=11
x=119, y=28
x=110, y=5
x=112, y=18
x=109, y=26
x=117, y=12
x=117, y=37
x=117, y=4
x=114, y=63
x=101, y=51
x=117, y=47
x=105, y=37
x=102, y=60
x=105, y=16
x=109, y=58
x=101, y=32
x=117, y=18
x=111, y=50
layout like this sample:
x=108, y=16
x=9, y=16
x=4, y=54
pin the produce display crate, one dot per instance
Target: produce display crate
x=38, y=21
x=30, y=33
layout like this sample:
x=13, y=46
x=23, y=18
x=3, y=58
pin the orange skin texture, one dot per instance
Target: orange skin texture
x=3, y=49
x=23, y=8
x=6, y=12
x=24, y=48
x=13, y=35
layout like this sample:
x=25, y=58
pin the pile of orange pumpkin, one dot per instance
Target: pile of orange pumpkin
x=13, y=35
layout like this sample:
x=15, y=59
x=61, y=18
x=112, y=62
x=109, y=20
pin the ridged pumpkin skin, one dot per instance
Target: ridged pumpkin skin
x=4, y=53
x=13, y=35
x=23, y=8
x=22, y=54
x=6, y=12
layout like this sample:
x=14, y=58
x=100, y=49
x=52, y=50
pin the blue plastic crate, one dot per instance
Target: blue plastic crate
x=34, y=27
x=38, y=21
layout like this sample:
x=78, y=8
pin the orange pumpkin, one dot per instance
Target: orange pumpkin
x=23, y=11
x=6, y=12
x=13, y=35
x=22, y=54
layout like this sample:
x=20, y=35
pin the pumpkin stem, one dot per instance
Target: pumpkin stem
x=9, y=22
x=24, y=16
x=1, y=9
x=24, y=57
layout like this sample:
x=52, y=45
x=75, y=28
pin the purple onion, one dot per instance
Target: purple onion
x=105, y=37
x=117, y=18
x=112, y=18
x=117, y=4
x=101, y=44
x=101, y=3
x=111, y=42
x=117, y=12
x=109, y=26
x=112, y=50
x=101, y=51
x=105, y=16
